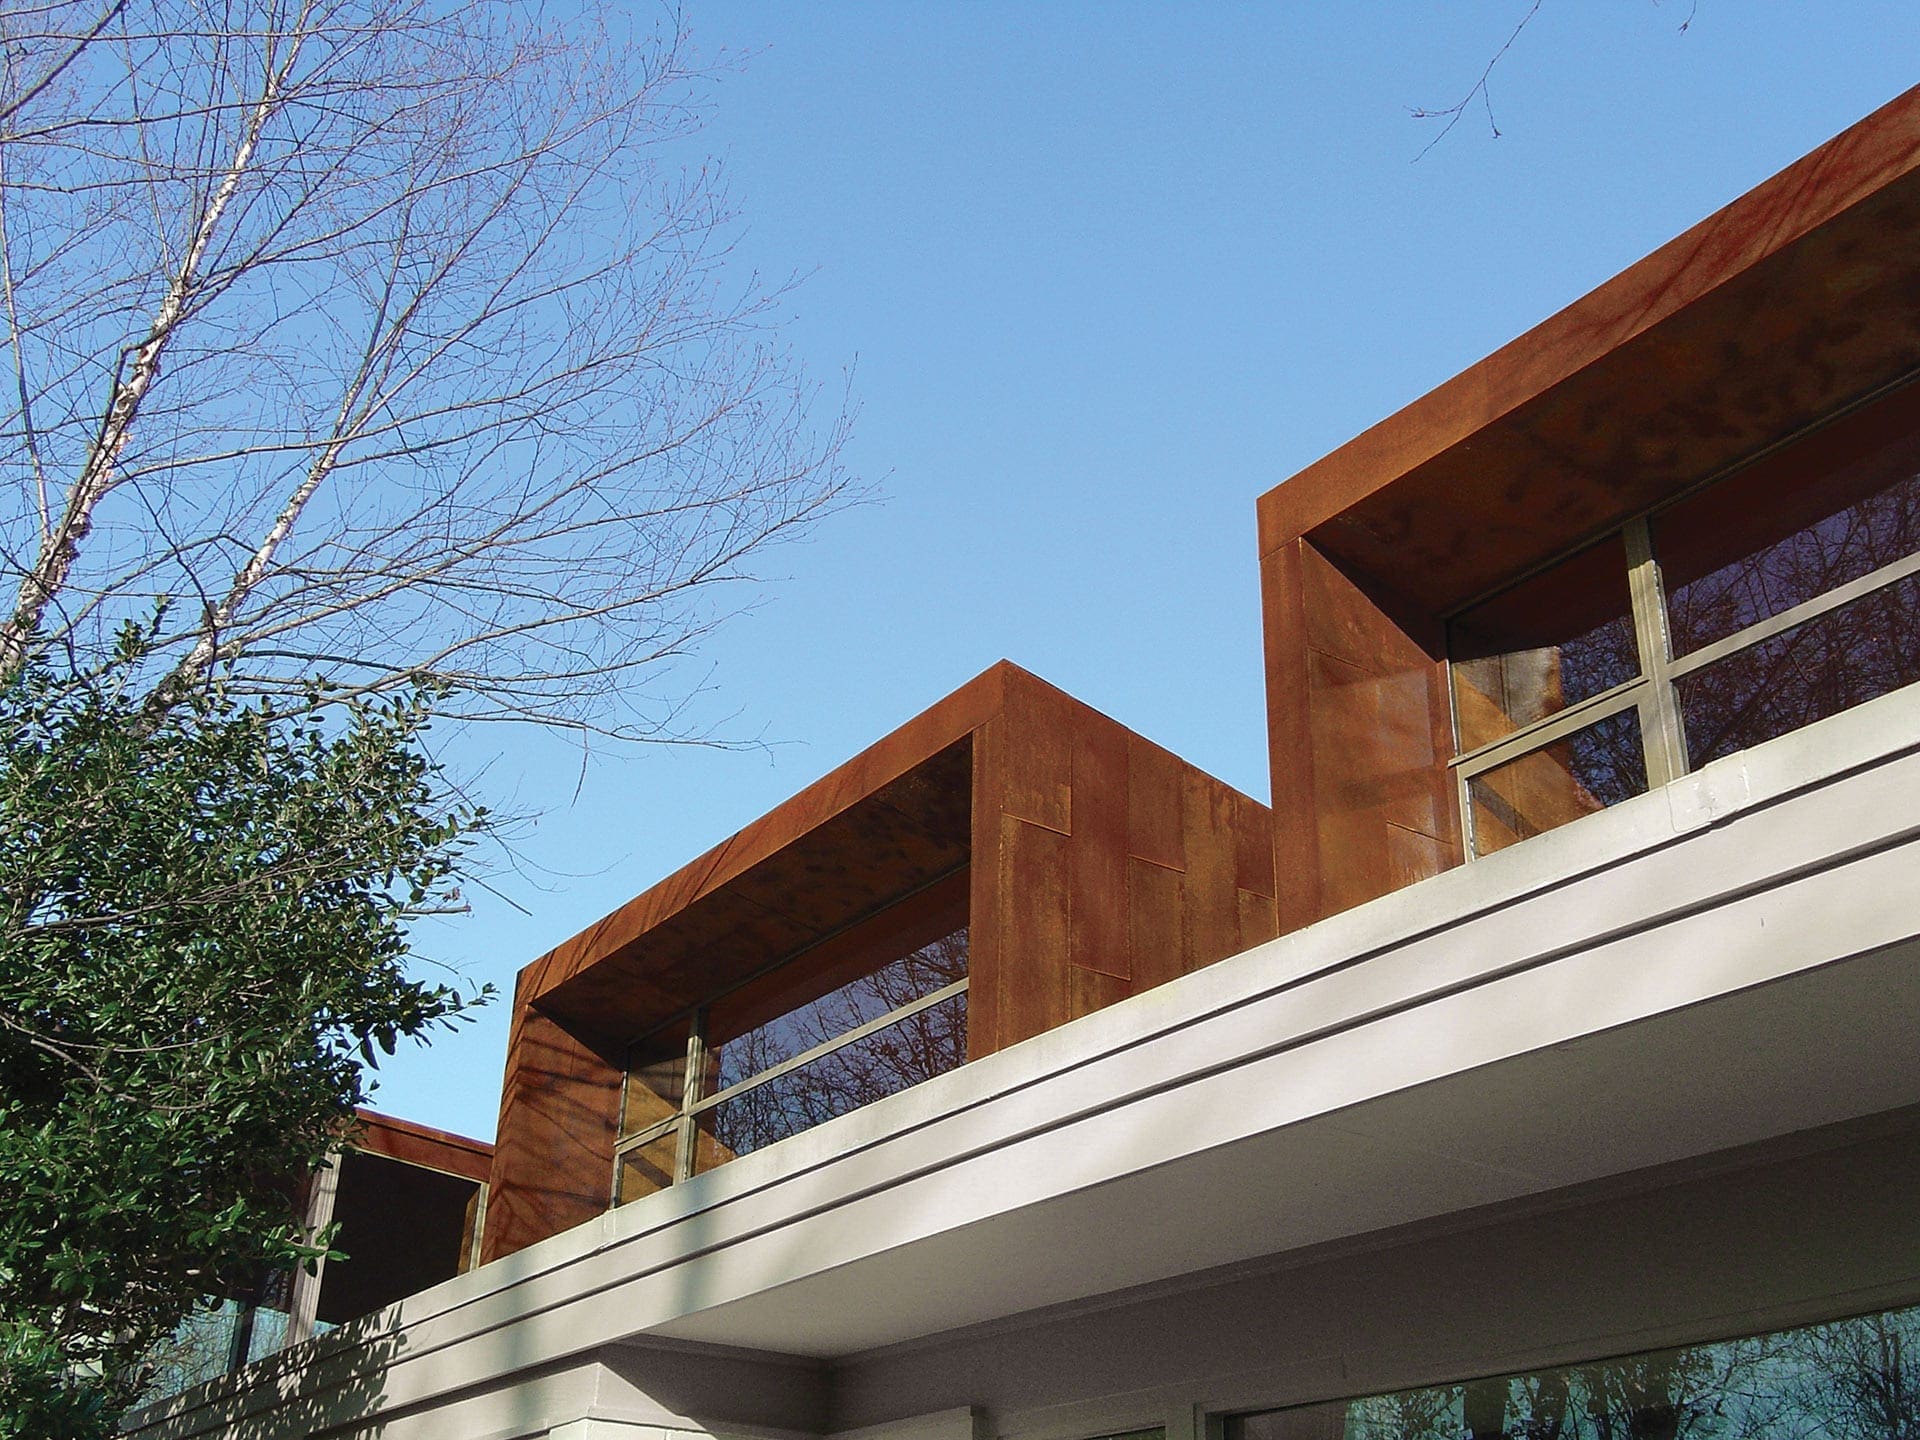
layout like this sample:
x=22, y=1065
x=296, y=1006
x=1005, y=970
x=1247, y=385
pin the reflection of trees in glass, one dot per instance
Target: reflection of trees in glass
x=1598, y=660
x=199, y=1349
x=1607, y=760
x=927, y=1043
x=1537, y=1406
x=202, y=1346
x=899, y=982
x=1598, y=766
x=1827, y=665
x=1667, y=1395
x=1553, y=640
x=1430, y=1414
x=1858, y=1379
x=1852, y=542
x=1842, y=659
x=1850, y=1380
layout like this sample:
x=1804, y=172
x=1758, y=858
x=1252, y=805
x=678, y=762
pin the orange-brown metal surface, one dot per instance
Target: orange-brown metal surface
x=553, y=1157
x=1093, y=863
x=1119, y=866
x=1795, y=301
x=1796, y=298
x=417, y=1144
x=1360, y=733
x=770, y=840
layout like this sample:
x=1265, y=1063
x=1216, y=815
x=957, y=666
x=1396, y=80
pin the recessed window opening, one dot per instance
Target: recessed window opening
x=1783, y=593
x=850, y=1020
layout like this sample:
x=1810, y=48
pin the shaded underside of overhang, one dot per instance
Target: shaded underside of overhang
x=894, y=842
x=1686, y=1085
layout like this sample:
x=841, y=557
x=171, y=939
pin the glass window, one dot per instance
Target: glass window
x=220, y=1335
x=861, y=1015
x=1848, y=1380
x=883, y=1062
x=858, y=1002
x=1560, y=637
x=1831, y=663
x=1780, y=533
x=1782, y=594
x=656, y=1080
x=1590, y=769
x=648, y=1166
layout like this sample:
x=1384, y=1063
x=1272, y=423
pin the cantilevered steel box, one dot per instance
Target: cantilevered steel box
x=1086, y=864
x=1771, y=336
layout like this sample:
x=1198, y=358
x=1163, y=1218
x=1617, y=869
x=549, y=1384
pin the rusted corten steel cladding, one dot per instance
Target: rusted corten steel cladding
x=1094, y=865
x=412, y=1143
x=1793, y=302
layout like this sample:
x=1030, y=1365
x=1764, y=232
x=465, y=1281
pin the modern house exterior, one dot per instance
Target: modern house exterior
x=1541, y=1065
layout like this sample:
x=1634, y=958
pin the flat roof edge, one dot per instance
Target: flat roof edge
x=925, y=735
x=1844, y=172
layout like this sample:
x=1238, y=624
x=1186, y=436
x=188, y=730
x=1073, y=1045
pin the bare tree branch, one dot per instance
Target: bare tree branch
x=1452, y=113
x=384, y=339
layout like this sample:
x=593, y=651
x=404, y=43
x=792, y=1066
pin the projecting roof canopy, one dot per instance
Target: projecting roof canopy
x=1798, y=298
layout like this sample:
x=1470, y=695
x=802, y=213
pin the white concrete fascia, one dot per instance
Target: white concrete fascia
x=1325, y=1049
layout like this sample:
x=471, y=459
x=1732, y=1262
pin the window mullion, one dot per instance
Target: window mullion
x=1555, y=727
x=640, y=1139
x=690, y=1092
x=1463, y=802
x=1661, y=735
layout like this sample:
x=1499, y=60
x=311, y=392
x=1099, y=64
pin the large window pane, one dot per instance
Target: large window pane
x=1849, y=1380
x=208, y=1341
x=647, y=1167
x=1586, y=771
x=1778, y=533
x=899, y=982
x=927, y=1043
x=1841, y=659
x=200, y=1348
x=656, y=1079
x=1551, y=641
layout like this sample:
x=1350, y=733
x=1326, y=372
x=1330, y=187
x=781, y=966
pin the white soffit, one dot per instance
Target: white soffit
x=1723, y=962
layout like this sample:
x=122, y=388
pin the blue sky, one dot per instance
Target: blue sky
x=1103, y=274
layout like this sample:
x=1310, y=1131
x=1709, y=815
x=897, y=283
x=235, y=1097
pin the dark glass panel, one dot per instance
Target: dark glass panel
x=656, y=1079
x=200, y=1348
x=1586, y=771
x=1841, y=659
x=1837, y=506
x=647, y=1168
x=898, y=982
x=928, y=1043
x=1848, y=1380
x=1549, y=642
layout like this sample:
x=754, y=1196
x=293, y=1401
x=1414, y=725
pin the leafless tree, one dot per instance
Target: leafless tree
x=372, y=339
